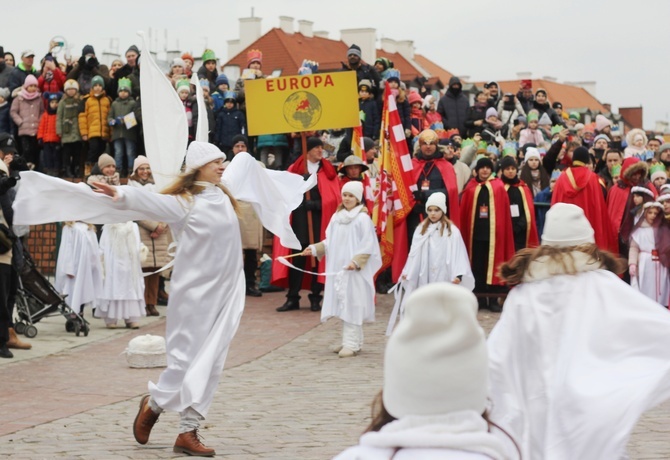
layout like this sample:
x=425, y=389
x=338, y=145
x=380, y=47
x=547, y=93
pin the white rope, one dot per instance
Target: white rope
x=398, y=291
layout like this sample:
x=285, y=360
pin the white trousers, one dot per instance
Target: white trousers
x=189, y=419
x=352, y=336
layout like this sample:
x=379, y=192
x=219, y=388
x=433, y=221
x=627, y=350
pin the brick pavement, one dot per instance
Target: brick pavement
x=297, y=401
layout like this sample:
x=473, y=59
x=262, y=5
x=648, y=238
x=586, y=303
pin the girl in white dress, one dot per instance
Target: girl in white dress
x=646, y=264
x=353, y=259
x=122, y=295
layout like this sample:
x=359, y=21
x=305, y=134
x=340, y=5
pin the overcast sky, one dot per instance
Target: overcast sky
x=623, y=45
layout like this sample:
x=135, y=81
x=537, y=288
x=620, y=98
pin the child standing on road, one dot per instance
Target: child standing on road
x=123, y=289
x=353, y=252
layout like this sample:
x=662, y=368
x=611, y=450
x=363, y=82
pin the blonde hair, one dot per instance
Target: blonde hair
x=444, y=220
x=185, y=187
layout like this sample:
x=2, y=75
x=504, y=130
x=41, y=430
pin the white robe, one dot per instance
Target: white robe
x=652, y=277
x=350, y=295
x=122, y=295
x=460, y=435
x=207, y=288
x=78, y=269
x=574, y=362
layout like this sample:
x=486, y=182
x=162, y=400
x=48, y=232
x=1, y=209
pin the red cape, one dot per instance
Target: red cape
x=501, y=243
x=529, y=209
x=329, y=189
x=581, y=186
x=449, y=179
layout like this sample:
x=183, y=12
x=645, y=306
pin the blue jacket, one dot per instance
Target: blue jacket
x=371, y=123
x=229, y=123
x=5, y=119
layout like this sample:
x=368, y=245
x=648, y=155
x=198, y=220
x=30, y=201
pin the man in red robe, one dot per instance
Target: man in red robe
x=317, y=208
x=486, y=226
x=521, y=205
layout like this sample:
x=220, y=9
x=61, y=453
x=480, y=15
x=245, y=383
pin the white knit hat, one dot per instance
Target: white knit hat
x=201, y=153
x=355, y=188
x=438, y=199
x=664, y=197
x=436, y=360
x=566, y=225
x=642, y=190
x=178, y=62
x=532, y=152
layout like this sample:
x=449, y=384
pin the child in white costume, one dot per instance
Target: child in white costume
x=123, y=289
x=648, y=274
x=78, y=268
x=353, y=252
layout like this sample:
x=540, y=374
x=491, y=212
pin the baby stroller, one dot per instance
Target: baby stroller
x=37, y=298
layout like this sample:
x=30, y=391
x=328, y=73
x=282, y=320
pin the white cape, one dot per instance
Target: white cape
x=78, y=268
x=652, y=277
x=350, y=295
x=574, y=361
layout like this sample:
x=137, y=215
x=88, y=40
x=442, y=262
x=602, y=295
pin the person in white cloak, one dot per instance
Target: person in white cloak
x=645, y=261
x=577, y=355
x=207, y=288
x=353, y=259
x=438, y=254
x=434, y=399
x=122, y=296
x=78, y=266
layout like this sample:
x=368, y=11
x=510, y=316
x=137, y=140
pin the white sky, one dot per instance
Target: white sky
x=622, y=45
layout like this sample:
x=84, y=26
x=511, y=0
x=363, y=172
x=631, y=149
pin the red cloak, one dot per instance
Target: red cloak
x=329, y=189
x=581, y=186
x=501, y=242
x=448, y=177
x=529, y=210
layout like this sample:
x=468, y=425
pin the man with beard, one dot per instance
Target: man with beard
x=493, y=94
x=87, y=68
x=453, y=106
x=663, y=155
x=363, y=71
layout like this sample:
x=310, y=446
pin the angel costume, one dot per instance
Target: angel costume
x=652, y=278
x=122, y=295
x=78, y=269
x=350, y=294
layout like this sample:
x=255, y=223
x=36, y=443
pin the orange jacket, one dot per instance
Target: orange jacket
x=46, y=132
x=93, y=120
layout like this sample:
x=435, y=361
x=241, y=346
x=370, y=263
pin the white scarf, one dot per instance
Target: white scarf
x=345, y=217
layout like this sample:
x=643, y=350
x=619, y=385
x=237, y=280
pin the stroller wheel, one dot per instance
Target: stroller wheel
x=31, y=331
x=69, y=326
x=85, y=328
x=20, y=328
x=77, y=329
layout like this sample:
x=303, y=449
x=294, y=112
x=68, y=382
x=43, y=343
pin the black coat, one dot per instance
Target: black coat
x=453, y=107
x=474, y=114
x=551, y=113
x=229, y=123
x=371, y=124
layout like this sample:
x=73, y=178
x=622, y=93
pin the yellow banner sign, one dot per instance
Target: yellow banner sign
x=302, y=103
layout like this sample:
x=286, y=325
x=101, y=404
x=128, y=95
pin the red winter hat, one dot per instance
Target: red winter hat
x=414, y=97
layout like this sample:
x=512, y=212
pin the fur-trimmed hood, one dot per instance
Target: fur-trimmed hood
x=631, y=166
x=630, y=137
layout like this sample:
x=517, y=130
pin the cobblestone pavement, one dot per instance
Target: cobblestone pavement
x=286, y=397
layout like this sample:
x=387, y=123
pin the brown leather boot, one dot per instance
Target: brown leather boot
x=144, y=421
x=151, y=311
x=15, y=342
x=189, y=443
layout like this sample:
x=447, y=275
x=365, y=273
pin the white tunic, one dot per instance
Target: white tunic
x=78, y=269
x=350, y=295
x=122, y=295
x=652, y=277
x=575, y=360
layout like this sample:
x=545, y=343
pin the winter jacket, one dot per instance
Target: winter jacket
x=5, y=119
x=18, y=76
x=67, y=123
x=475, y=113
x=551, y=113
x=93, y=119
x=453, y=107
x=211, y=120
x=204, y=74
x=158, y=247
x=5, y=74
x=26, y=115
x=369, y=118
x=47, y=129
x=84, y=72
x=229, y=123
x=405, y=112
x=509, y=115
x=119, y=109
x=528, y=136
x=527, y=104
x=368, y=72
x=54, y=84
x=132, y=74
x=272, y=140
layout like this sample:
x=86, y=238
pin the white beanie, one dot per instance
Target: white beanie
x=532, y=152
x=566, y=225
x=438, y=199
x=436, y=360
x=355, y=188
x=664, y=197
x=178, y=62
x=201, y=153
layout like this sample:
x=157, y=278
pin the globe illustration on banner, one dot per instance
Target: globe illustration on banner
x=302, y=110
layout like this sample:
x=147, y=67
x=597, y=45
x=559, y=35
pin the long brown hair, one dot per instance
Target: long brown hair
x=444, y=220
x=512, y=272
x=185, y=187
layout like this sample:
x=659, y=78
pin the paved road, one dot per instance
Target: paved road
x=284, y=395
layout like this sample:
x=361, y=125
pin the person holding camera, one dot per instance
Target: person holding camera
x=87, y=67
x=509, y=111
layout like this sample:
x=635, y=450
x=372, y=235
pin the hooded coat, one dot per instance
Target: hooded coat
x=453, y=107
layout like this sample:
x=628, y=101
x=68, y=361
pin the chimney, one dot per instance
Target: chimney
x=250, y=31
x=388, y=45
x=524, y=75
x=234, y=47
x=321, y=33
x=406, y=49
x=305, y=27
x=286, y=24
x=553, y=79
x=365, y=38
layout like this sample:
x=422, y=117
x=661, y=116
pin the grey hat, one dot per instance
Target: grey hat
x=355, y=50
x=353, y=160
x=663, y=148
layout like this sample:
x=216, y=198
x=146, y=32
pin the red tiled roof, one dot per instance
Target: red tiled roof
x=572, y=97
x=407, y=71
x=433, y=69
x=287, y=51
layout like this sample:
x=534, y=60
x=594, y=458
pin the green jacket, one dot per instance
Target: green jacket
x=121, y=108
x=67, y=119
